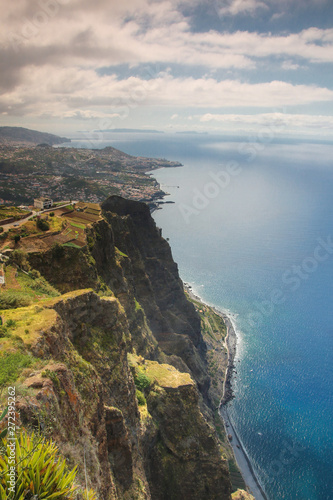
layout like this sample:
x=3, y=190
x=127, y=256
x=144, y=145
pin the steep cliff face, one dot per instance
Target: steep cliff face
x=152, y=277
x=119, y=375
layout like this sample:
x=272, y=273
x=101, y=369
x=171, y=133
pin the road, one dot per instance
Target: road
x=34, y=212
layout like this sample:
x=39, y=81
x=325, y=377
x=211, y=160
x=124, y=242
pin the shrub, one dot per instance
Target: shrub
x=10, y=323
x=141, y=398
x=43, y=225
x=20, y=259
x=12, y=299
x=142, y=381
x=34, y=274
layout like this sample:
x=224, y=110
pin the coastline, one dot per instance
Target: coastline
x=240, y=454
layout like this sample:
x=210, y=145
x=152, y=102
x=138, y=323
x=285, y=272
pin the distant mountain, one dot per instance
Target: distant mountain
x=131, y=130
x=20, y=135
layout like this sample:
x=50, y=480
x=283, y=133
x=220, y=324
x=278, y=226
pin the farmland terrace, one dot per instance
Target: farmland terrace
x=64, y=226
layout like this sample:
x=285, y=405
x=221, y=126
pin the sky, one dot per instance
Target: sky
x=219, y=66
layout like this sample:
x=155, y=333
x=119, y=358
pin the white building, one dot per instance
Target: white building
x=43, y=203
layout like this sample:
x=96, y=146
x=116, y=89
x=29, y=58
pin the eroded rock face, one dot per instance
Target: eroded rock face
x=86, y=392
x=153, y=274
x=152, y=277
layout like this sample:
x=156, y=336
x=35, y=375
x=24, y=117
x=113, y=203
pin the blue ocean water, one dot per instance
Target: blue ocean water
x=252, y=230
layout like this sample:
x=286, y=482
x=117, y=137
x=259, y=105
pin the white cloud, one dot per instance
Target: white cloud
x=289, y=65
x=72, y=89
x=239, y=7
x=279, y=120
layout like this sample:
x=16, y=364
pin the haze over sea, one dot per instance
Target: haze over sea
x=255, y=238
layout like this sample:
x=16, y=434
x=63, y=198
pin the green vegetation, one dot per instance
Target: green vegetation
x=137, y=305
x=236, y=478
x=11, y=212
x=22, y=289
x=141, y=380
x=120, y=253
x=19, y=258
x=141, y=398
x=41, y=472
x=71, y=244
x=43, y=225
x=11, y=365
x=3, y=432
x=13, y=299
x=75, y=224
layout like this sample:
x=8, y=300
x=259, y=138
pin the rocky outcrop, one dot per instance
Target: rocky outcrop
x=184, y=461
x=242, y=495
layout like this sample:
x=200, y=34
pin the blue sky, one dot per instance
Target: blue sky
x=226, y=66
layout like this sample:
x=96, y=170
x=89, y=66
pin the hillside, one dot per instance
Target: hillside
x=24, y=136
x=110, y=358
x=66, y=173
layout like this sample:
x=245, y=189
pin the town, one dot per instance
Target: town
x=64, y=173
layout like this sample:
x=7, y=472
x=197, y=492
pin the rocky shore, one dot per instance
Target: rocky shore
x=230, y=344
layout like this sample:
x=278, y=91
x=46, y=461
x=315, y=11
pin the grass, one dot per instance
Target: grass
x=21, y=290
x=137, y=305
x=167, y=375
x=70, y=244
x=11, y=365
x=120, y=253
x=75, y=224
x=29, y=322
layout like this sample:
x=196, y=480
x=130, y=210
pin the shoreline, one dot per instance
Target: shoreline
x=240, y=454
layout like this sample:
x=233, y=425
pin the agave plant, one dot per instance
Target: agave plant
x=41, y=473
x=3, y=433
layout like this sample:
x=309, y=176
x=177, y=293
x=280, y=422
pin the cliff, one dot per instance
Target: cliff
x=117, y=372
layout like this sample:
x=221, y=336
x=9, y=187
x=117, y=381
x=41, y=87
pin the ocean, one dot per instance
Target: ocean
x=251, y=229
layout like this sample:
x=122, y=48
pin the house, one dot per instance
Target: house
x=43, y=203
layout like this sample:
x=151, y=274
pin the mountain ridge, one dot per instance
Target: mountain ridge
x=21, y=135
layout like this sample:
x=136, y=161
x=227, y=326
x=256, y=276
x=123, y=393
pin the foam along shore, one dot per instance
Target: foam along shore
x=240, y=454
x=241, y=457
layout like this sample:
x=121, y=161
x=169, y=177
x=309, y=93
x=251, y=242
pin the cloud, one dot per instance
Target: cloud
x=72, y=89
x=138, y=31
x=60, y=58
x=289, y=65
x=282, y=120
x=236, y=7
